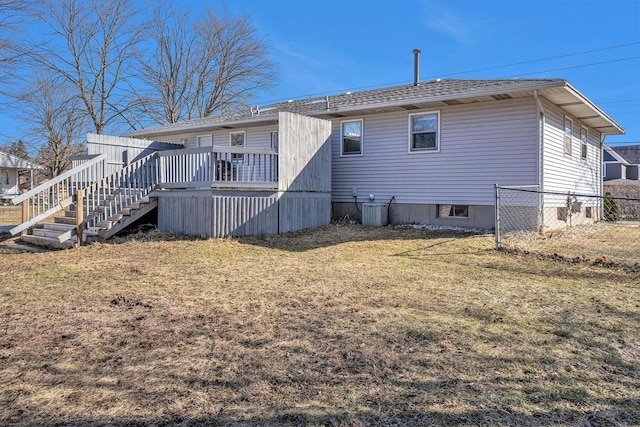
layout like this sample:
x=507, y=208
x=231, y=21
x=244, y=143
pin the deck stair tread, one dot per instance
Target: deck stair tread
x=55, y=226
x=65, y=220
x=49, y=242
x=135, y=213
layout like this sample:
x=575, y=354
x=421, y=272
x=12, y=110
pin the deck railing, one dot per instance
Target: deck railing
x=57, y=193
x=120, y=190
x=218, y=167
x=105, y=196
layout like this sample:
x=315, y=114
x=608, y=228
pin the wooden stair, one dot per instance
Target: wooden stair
x=61, y=234
x=118, y=222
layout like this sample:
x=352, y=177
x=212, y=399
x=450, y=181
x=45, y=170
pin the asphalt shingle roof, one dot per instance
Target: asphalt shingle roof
x=435, y=89
x=631, y=153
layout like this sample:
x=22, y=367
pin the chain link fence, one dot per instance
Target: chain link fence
x=578, y=227
x=10, y=216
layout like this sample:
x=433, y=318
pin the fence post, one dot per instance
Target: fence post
x=497, y=214
x=79, y=216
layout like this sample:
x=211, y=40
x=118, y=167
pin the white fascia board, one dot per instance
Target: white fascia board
x=198, y=127
x=586, y=101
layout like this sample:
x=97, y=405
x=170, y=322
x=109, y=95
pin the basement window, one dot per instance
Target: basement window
x=584, y=136
x=424, y=132
x=236, y=139
x=459, y=211
x=568, y=135
x=351, y=137
x=561, y=213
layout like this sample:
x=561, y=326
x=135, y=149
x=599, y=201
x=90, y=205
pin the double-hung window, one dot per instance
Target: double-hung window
x=568, y=135
x=351, y=137
x=584, y=137
x=236, y=139
x=424, y=132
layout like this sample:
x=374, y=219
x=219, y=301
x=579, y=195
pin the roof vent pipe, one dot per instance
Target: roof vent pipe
x=416, y=67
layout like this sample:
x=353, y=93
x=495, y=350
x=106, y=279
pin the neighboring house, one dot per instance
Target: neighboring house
x=11, y=169
x=435, y=149
x=622, y=162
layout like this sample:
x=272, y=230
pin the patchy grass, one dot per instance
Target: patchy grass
x=335, y=326
x=609, y=244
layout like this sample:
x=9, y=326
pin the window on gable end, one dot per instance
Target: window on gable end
x=584, y=137
x=568, y=135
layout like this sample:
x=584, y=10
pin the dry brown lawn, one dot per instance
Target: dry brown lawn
x=615, y=243
x=10, y=215
x=343, y=325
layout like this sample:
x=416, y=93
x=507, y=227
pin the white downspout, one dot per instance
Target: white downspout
x=541, y=125
x=602, y=166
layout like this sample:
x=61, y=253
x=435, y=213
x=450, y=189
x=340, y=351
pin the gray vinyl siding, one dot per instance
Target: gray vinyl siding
x=121, y=149
x=564, y=173
x=480, y=145
x=256, y=137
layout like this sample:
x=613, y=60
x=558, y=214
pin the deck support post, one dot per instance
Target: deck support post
x=25, y=215
x=79, y=216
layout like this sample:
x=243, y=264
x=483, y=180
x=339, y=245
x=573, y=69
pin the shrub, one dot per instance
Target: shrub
x=611, y=211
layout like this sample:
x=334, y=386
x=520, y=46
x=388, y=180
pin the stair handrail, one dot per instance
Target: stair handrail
x=54, y=195
x=120, y=190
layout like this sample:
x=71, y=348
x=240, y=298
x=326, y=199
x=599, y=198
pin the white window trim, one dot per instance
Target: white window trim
x=204, y=136
x=244, y=144
x=361, y=153
x=423, y=150
x=453, y=216
x=276, y=146
x=244, y=137
x=564, y=137
x=585, y=143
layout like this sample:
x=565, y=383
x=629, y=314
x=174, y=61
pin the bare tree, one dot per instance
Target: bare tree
x=12, y=15
x=201, y=67
x=171, y=69
x=92, y=46
x=57, y=123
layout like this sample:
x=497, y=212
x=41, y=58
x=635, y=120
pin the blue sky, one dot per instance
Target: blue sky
x=334, y=46
x=330, y=46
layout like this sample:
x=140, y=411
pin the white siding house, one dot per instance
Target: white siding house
x=10, y=169
x=435, y=150
x=431, y=152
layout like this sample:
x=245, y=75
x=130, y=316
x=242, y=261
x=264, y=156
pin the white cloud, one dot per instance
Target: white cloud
x=463, y=29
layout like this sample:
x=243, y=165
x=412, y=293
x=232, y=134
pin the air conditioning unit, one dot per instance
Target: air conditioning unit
x=376, y=214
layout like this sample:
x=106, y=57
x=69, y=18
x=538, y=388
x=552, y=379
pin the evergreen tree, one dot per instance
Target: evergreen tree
x=611, y=210
x=17, y=149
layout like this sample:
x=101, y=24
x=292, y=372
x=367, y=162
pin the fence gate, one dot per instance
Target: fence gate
x=598, y=229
